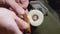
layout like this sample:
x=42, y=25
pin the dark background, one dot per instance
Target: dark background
x=51, y=24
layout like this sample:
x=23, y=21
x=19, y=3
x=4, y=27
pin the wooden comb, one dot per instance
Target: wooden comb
x=28, y=30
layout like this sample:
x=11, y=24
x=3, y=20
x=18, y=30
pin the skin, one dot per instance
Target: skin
x=19, y=5
x=9, y=19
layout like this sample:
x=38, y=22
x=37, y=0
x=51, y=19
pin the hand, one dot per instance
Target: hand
x=10, y=21
x=16, y=6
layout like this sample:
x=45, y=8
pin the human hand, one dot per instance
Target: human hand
x=14, y=5
x=10, y=21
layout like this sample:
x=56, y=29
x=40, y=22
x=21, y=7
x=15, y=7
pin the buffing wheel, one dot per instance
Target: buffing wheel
x=35, y=17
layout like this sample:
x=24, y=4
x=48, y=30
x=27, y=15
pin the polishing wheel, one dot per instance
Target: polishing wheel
x=35, y=17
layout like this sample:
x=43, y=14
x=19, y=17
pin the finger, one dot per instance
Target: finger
x=26, y=11
x=16, y=13
x=17, y=1
x=10, y=24
x=22, y=24
x=15, y=28
x=7, y=21
x=16, y=7
x=25, y=3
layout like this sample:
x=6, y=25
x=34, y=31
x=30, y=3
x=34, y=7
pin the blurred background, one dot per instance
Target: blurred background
x=55, y=4
x=51, y=23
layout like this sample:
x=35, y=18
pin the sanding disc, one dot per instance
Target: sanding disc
x=35, y=17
